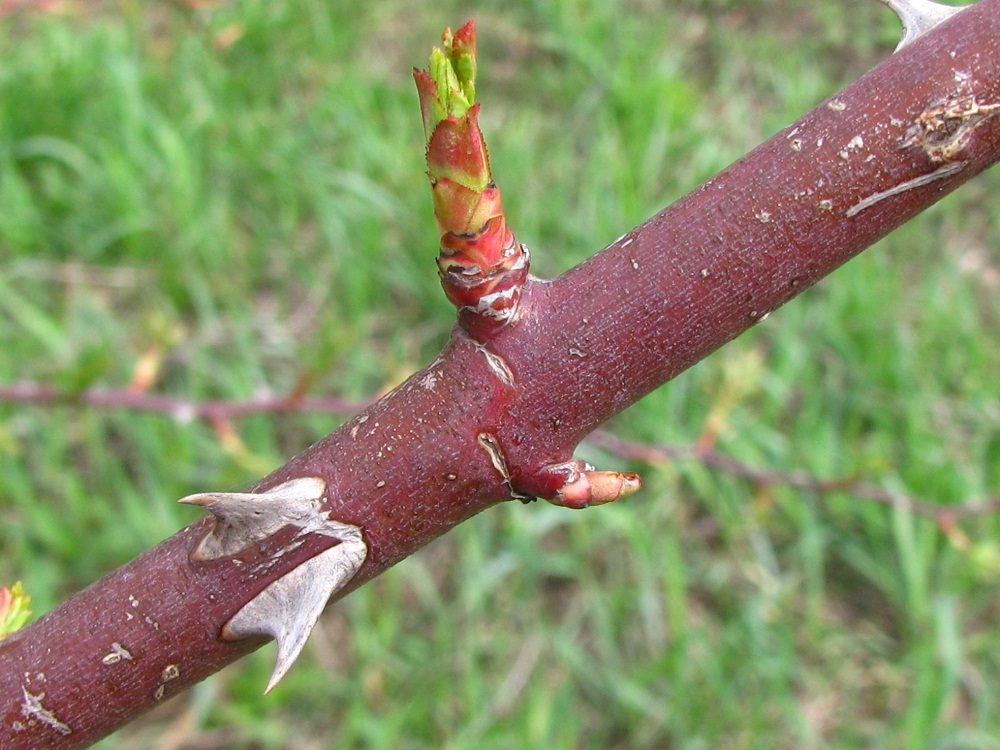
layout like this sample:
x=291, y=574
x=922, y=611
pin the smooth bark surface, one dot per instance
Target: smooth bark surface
x=587, y=345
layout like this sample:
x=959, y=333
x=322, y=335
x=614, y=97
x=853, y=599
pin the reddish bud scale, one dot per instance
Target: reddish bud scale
x=486, y=293
x=482, y=272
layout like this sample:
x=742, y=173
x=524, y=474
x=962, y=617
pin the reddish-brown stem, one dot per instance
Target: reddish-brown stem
x=480, y=425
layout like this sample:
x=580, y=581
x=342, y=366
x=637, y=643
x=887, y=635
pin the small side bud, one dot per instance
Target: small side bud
x=584, y=486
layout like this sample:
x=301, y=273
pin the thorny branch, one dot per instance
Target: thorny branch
x=498, y=417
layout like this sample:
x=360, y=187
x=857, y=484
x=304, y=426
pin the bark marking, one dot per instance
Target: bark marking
x=117, y=653
x=924, y=179
x=498, y=365
x=491, y=445
x=946, y=126
x=33, y=710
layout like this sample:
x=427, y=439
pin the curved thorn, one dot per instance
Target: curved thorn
x=244, y=518
x=288, y=608
x=919, y=16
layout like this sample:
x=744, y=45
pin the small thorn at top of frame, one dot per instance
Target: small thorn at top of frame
x=919, y=17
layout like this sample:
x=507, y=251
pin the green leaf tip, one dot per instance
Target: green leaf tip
x=448, y=87
x=461, y=48
x=14, y=612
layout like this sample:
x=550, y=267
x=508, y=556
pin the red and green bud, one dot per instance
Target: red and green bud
x=14, y=612
x=482, y=266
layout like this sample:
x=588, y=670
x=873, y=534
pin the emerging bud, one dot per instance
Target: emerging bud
x=482, y=266
x=590, y=487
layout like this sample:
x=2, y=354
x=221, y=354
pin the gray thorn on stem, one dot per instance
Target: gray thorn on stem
x=919, y=17
x=288, y=608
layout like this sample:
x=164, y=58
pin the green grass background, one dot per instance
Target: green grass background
x=238, y=188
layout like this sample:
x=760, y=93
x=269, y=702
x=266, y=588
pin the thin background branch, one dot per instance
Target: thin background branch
x=218, y=412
